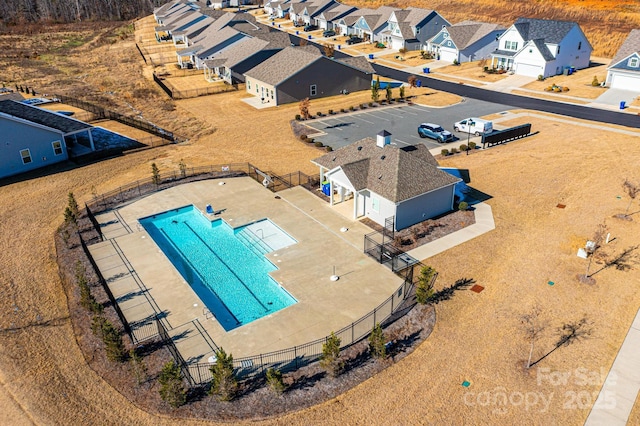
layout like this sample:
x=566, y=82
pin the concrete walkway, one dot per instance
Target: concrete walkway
x=484, y=223
x=620, y=389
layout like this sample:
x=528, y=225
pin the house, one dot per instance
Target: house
x=535, y=47
x=296, y=73
x=163, y=31
x=306, y=12
x=465, y=41
x=344, y=24
x=327, y=19
x=370, y=23
x=177, y=9
x=383, y=181
x=624, y=70
x=411, y=28
x=231, y=65
x=219, y=4
x=33, y=137
x=181, y=36
x=206, y=45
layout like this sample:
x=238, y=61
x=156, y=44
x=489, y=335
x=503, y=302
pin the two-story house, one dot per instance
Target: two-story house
x=535, y=47
x=411, y=28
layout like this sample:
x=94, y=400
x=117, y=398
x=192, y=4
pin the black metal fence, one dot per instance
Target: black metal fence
x=506, y=135
x=291, y=359
x=175, y=93
x=102, y=113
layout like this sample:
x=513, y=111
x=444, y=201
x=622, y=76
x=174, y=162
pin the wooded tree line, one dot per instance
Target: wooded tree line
x=21, y=11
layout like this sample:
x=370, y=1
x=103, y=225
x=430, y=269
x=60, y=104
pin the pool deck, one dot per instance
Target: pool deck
x=140, y=275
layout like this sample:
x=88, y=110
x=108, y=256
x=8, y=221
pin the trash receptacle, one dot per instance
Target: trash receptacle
x=338, y=47
x=622, y=104
x=425, y=70
x=419, y=83
x=309, y=37
x=370, y=55
x=297, y=32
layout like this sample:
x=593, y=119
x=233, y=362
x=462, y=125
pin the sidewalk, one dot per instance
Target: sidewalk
x=620, y=389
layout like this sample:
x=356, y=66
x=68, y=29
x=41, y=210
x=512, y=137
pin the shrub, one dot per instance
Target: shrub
x=351, y=108
x=363, y=106
x=463, y=147
x=274, y=380
x=319, y=144
x=565, y=89
x=401, y=90
x=540, y=77
x=328, y=148
x=183, y=168
x=303, y=138
x=472, y=145
x=595, y=81
x=455, y=62
x=370, y=104
x=376, y=342
x=330, y=359
x=114, y=347
x=223, y=383
x=310, y=140
x=557, y=89
x=138, y=366
x=486, y=69
x=444, y=152
x=86, y=298
x=402, y=50
x=463, y=206
x=319, y=114
x=548, y=88
x=155, y=174
x=330, y=111
x=454, y=150
x=172, y=390
x=297, y=117
x=424, y=287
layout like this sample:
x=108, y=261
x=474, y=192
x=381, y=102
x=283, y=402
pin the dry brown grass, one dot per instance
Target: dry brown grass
x=45, y=380
x=408, y=59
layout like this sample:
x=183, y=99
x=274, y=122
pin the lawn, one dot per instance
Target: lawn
x=478, y=337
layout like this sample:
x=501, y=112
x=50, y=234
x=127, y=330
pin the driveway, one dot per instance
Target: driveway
x=615, y=96
x=401, y=121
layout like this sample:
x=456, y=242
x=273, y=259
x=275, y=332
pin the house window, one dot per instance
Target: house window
x=579, y=45
x=248, y=84
x=271, y=93
x=375, y=204
x=417, y=30
x=57, y=147
x=26, y=156
x=633, y=62
x=313, y=90
x=558, y=50
x=511, y=45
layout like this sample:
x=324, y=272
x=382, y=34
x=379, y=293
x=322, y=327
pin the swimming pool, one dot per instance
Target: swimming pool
x=226, y=268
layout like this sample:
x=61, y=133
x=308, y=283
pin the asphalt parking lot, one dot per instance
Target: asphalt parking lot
x=401, y=121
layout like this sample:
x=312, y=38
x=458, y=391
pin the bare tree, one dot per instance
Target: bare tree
x=329, y=50
x=569, y=333
x=412, y=80
x=595, y=244
x=632, y=190
x=534, y=327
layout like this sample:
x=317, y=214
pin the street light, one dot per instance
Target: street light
x=469, y=124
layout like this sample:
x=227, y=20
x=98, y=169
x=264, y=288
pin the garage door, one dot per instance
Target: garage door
x=448, y=55
x=625, y=82
x=528, y=70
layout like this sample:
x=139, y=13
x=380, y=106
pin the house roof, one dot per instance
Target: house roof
x=465, y=33
x=395, y=173
x=212, y=38
x=196, y=28
x=284, y=64
x=551, y=31
x=242, y=50
x=630, y=46
x=337, y=11
x=14, y=96
x=358, y=62
x=43, y=117
x=543, y=49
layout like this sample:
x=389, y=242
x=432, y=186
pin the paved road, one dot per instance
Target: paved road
x=571, y=110
x=401, y=121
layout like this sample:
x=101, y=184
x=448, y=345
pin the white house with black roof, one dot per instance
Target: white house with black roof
x=383, y=180
x=465, y=41
x=295, y=73
x=624, y=70
x=33, y=137
x=535, y=47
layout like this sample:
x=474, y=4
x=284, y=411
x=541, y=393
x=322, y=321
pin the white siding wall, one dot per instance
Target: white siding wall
x=385, y=208
x=569, y=55
x=423, y=207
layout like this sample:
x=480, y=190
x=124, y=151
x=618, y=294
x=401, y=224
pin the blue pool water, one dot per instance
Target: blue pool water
x=229, y=274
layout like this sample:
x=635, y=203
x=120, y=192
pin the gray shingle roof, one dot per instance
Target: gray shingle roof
x=337, y=12
x=358, y=62
x=544, y=50
x=43, y=117
x=243, y=50
x=630, y=45
x=551, y=31
x=209, y=38
x=396, y=174
x=464, y=34
x=284, y=64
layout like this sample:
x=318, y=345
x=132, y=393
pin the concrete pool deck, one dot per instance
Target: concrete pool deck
x=140, y=275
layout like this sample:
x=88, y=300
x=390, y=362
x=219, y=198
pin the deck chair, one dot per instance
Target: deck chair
x=209, y=209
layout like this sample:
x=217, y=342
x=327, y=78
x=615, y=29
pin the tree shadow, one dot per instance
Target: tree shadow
x=448, y=292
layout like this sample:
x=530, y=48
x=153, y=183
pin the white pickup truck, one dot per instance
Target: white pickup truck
x=477, y=126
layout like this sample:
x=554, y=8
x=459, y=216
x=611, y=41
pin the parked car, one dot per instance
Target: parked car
x=310, y=27
x=477, y=126
x=354, y=40
x=434, y=131
x=328, y=33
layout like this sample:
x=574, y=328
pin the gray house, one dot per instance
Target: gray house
x=410, y=28
x=465, y=41
x=383, y=180
x=33, y=137
x=296, y=73
x=624, y=70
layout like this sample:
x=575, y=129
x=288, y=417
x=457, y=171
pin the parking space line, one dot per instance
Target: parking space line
x=366, y=121
x=386, y=112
